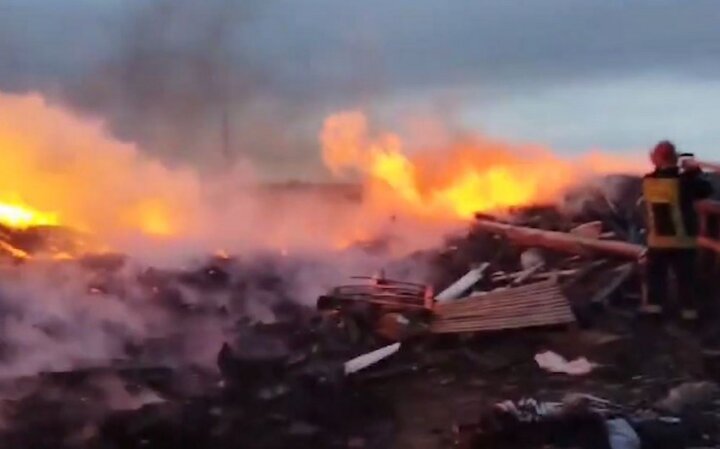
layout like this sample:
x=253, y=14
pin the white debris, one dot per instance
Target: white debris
x=555, y=363
x=456, y=290
x=371, y=358
x=531, y=258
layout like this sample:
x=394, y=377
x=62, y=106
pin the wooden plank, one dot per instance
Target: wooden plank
x=530, y=301
x=561, y=241
x=515, y=292
x=506, y=309
x=479, y=326
x=539, y=304
x=509, y=321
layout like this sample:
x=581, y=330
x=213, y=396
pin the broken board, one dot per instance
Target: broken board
x=539, y=304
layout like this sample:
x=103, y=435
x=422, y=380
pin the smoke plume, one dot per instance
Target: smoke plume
x=181, y=80
x=299, y=238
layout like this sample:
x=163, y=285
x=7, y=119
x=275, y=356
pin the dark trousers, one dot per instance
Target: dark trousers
x=683, y=264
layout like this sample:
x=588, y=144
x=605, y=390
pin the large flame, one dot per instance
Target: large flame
x=63, y=170
x=20, y=216
x=471, y=174
x=59, y=169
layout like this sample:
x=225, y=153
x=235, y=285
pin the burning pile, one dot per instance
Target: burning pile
x=233, y=351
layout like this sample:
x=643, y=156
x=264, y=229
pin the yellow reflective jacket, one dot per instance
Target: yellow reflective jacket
x=669, y=203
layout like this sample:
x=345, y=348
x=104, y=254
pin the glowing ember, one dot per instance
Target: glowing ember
x=469, y=175
x=15, y=215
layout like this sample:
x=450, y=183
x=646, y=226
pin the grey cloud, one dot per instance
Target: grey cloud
x=423, y=42
x=164, y=71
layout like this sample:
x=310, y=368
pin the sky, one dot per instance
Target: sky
x=179, y=76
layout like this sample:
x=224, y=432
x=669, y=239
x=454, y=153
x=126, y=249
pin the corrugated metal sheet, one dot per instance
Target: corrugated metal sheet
x=540, y=304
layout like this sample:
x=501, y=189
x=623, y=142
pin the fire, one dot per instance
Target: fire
x=59, y=169
x=16, y=215
x=471, y=174
x=464, y=198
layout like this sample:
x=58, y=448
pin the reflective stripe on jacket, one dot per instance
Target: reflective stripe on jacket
x=666, y=224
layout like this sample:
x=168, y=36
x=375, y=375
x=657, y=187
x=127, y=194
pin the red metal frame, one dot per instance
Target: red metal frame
x=386, y=292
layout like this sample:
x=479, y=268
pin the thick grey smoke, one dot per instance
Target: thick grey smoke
x=184, y=79
x=175, y=80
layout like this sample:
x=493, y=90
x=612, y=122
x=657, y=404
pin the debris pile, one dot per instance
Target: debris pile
x=523, y=337
x=294, y=382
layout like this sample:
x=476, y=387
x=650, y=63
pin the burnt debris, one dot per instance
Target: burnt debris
x=383, y=363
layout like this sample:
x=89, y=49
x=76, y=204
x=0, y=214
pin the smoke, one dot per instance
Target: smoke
x=172, y=77
x=61, y=316
x=72, y=168
x=182, y=80
x=52, y=323
x=293, y=245
x=126, y=201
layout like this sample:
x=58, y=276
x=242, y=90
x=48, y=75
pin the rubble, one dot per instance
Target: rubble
x=385, y=363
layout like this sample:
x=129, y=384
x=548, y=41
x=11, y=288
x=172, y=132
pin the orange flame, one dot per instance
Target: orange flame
x=472, y=174
x=60, y=169
x=16, y=215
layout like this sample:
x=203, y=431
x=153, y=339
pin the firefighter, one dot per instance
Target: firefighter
x=670, y=192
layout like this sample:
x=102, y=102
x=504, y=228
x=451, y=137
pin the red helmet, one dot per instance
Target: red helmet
x=664, y=154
